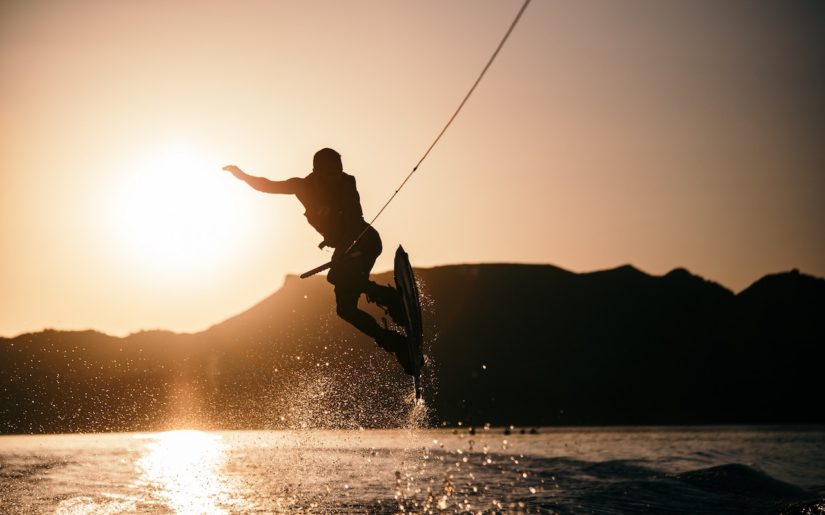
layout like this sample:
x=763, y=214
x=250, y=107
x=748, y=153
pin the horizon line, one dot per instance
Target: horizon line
x=295, y=276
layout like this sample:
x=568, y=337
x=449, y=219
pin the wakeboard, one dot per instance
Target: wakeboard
x=408, y=289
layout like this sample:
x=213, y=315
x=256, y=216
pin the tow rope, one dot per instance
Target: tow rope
x=432, y=145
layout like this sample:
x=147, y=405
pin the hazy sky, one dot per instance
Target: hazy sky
x=661, y=134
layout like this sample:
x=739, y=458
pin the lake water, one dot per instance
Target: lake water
x=567, y=470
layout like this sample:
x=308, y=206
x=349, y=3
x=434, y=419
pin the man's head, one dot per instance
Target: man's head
x=327, y=160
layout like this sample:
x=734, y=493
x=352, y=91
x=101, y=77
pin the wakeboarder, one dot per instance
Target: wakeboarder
x=333, y=208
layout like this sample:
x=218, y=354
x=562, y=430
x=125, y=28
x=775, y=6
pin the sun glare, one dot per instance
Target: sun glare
x=177, y=212
x=184, y=469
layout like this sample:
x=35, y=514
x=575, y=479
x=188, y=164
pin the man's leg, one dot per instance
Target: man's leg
x=346, y=299
x=350, y=275
x=390, y=341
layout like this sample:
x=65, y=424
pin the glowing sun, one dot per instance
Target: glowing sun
x=177, y=212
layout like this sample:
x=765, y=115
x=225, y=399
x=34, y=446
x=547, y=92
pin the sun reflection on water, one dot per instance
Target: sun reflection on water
x=182, y=469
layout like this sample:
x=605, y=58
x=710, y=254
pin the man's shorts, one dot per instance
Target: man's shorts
x=350, y=273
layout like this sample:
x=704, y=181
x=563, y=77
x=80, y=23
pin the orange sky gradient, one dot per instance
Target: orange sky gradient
x=661, y=134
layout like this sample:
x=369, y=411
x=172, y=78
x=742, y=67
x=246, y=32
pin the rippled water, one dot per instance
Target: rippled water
x=572, y=470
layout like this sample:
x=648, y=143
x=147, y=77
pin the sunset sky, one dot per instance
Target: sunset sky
x=662, y=134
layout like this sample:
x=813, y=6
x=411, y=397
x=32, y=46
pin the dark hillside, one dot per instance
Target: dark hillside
x=510, y=344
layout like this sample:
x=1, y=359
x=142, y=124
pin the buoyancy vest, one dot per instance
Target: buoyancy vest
x=332, y=206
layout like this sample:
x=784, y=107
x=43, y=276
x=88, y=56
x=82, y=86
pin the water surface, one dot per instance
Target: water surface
x=567, y=470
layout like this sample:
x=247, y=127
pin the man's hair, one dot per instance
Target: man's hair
x=327, y=160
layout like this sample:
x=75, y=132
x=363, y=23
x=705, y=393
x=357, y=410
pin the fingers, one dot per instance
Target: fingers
x=234, y=170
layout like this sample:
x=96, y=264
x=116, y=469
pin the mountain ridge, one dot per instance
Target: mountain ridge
x=290, y=277
x=509, y=344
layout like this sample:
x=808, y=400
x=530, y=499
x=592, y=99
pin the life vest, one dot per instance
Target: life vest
x=332, y=206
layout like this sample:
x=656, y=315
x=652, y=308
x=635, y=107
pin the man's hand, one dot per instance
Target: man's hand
x=234, y=170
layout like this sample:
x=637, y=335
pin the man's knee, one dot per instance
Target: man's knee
x=346, y=311
x=346, y=302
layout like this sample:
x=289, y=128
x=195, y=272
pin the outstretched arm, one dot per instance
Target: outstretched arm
x=289, y=186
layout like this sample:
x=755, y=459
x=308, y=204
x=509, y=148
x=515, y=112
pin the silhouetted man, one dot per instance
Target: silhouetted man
x=333, y=207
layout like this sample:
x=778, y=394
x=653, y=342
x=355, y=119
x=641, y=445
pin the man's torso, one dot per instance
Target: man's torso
x=332, y=206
